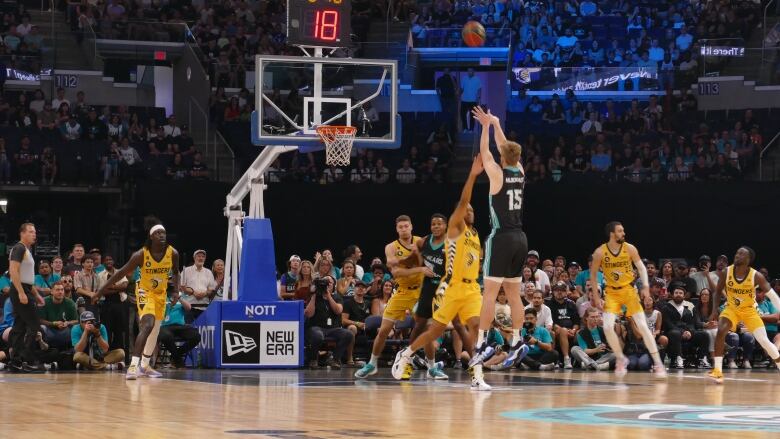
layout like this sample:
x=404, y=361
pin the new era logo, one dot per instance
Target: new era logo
x=236, y=343
x=240, y=342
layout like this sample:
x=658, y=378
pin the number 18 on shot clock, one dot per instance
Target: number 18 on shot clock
x=324, y=23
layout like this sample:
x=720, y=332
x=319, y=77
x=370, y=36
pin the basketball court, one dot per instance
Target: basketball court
x=332, y=404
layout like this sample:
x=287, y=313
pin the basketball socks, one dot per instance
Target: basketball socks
x=718, y=363
x=145, y=361
x=515, y=336
x=481, y=337
x=431, y=363
x=134, y=361
x=374, y=360
x=657, y=359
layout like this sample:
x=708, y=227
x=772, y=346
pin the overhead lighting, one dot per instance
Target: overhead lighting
x=4, y=204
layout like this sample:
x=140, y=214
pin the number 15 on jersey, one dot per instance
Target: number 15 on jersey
x=515, y=199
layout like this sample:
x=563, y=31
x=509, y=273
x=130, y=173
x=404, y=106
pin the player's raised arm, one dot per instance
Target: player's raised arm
x=492, y=168
x=458, y=218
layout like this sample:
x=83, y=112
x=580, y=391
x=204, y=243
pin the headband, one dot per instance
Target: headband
x=156, y=228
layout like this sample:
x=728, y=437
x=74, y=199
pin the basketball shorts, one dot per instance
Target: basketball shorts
x=747, y=315
x=151, y=303
x=505, y=253
x=424, y=308
x=463, y=300
x=402, y=301
x=617, y=298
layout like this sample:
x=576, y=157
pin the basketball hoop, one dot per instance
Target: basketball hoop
x=338, y=143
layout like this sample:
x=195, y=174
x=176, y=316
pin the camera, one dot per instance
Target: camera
x=529, y=331
x=320, y=285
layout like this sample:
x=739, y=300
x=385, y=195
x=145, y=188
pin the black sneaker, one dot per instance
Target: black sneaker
x=333, y=363
x=32, y=368
x=15, y=367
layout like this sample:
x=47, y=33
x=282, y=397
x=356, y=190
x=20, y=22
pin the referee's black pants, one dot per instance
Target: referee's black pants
x=26, y=325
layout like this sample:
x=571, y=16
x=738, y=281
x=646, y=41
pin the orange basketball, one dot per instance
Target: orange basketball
x=473, y=34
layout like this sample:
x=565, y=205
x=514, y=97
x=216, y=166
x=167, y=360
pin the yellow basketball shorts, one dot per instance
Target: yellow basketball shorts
x=617, y=298
x=460, y=299
x=748, y=315
x=151, y=303
x=402, y=301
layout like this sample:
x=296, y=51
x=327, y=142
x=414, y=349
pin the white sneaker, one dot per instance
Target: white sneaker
x=679, y=363
x=733, y=365
x=399, y=365
x=478, y=382
x=567, y=363
x=746, y=364
x=704, y=363
x=550, y=366
x=602, y=366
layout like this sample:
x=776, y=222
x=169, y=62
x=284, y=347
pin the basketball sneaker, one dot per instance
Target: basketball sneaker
x=516, y=354
x=478, y=381
x=621, y=366
x=366, y=371
x=401, y=366
x=483, y=353
x=436, y=373
x=148, y=372
x=716, y=376
x=132, y=373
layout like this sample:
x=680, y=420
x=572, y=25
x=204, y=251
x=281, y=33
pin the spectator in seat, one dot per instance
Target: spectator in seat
x=173, y=328
x=566, y=320
x=130, y=160
x=90, y=344
x=289, y=280
x=5, y=163
x=57, y=316
x=198, y=169
x=48, y=164
x=554, y=114
x=353, y=317
x=740, y=339
x=171, y=129
x=540, y=278
x=323, y=322
x=592, y=351
x=44, y=280
x=360, y=174
x=25, y=160
x=543, y=315
x=703, y=312
x=197, y=283
x=639, y=358
x=67, y=283
x=86, y=283
x=94, y=128
x=60, y=99
x=381, y=173
x=682, y=273
x=679, y=325
x=592, y=126
x=406, y=174
x=704, y=278
x=541, y=355
x=584, y=275
x=684, y=40
x=71, y=130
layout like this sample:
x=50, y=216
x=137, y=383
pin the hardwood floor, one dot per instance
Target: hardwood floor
x=331, y=404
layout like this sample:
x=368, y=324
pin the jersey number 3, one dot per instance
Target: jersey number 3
x=515, y=199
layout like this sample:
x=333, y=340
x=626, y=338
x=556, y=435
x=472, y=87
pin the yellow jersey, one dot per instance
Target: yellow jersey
x=740, y=294
x=462, y=257
x=413, y=282
x=154, y=274
x=618, y=268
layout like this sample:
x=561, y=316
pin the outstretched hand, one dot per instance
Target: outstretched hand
x=477, y=167
x=480, y=115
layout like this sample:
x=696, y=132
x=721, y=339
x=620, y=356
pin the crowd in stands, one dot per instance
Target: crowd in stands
x=77, y=333
x=20, y=42
x=53, y=140
x=561, y=327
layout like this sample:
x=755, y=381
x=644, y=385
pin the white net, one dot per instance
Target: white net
x=338, y=143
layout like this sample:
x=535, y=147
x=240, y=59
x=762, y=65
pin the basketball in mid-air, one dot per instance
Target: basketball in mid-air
x=473, y=34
